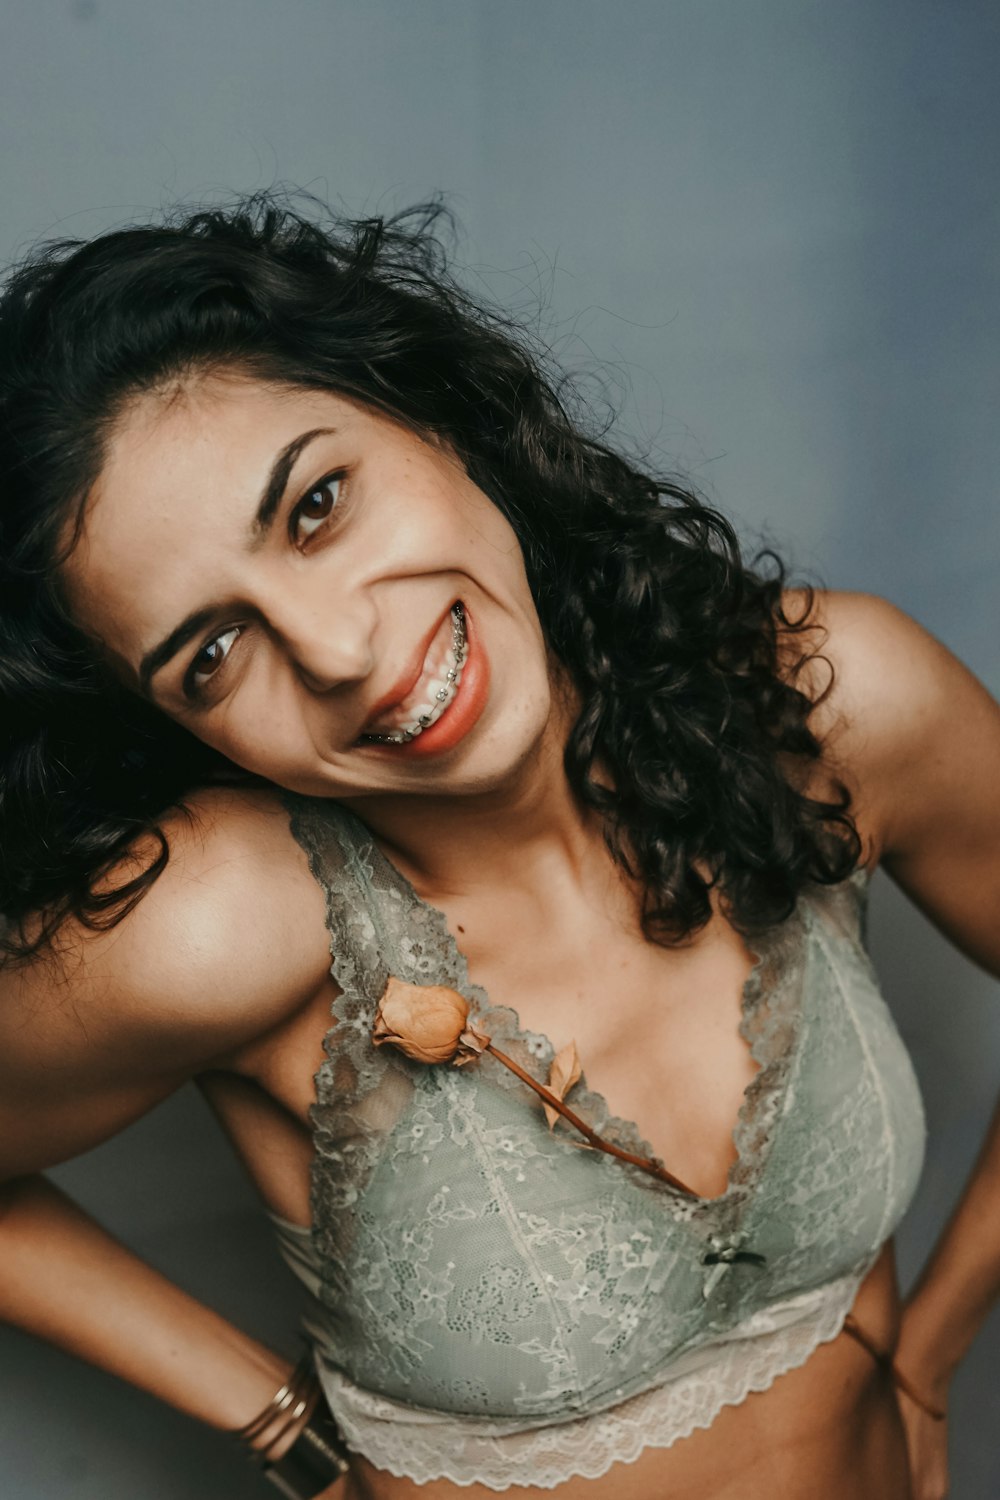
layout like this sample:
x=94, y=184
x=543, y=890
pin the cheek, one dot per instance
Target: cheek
x=273, y=733
x=263, y=735
x=445, y=518
x=255, y=730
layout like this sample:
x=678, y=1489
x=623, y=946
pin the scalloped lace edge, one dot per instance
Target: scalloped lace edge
x=786, y=945
x=582, y=1447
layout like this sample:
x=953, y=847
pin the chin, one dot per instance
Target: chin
x=515, y=743
x=505, y=752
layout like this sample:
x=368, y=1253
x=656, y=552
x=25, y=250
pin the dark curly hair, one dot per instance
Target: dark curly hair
x=690, y=706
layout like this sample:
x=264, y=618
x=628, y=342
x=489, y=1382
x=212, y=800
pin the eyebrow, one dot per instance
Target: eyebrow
x=277, y=481
x=267, y=508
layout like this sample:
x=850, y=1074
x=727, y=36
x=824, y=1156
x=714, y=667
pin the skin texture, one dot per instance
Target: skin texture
x=221, y=973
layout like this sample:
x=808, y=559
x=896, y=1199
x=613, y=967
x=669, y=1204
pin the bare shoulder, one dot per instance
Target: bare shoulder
x=887, y=668
x=233, y=931
x=916, y=737
x=895, y=691
x=228, y=941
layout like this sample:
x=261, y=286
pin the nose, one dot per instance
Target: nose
x=328, y=645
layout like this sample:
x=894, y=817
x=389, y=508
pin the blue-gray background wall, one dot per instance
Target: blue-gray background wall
x=776, y=222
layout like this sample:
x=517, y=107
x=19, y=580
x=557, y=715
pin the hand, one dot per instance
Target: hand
x=927, y=1449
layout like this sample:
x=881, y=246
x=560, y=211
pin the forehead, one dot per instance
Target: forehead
x=205, y=427
x=183, y=471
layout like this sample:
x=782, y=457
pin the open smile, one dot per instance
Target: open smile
x=434, y=691
x=445, y=701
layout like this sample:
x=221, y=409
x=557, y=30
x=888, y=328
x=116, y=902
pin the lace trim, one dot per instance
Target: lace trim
x=379, y=925
x=419, y=1445
x=770, y=1024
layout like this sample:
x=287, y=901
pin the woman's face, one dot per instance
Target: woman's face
x=278, y=569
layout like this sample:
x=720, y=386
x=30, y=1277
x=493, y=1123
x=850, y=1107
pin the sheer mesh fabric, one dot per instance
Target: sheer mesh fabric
x=496, y=1305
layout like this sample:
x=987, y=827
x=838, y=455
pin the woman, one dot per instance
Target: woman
x=327, y=630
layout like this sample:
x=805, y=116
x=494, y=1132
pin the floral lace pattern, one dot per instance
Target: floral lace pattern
x=474, y=1267
x=422, y=1445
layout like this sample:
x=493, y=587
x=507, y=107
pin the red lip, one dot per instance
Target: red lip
x=460, y=715
x=408, y=681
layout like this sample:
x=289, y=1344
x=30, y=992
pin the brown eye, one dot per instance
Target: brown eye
x=208, y=660
x=315, y=508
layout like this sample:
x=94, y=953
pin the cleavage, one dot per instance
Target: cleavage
x=657, y=1029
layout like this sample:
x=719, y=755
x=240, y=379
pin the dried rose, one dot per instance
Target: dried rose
x=430, y=1023
x=471, y=1045
x=565, y=1070
x=427, y=1022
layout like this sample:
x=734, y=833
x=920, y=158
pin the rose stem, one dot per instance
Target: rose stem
x=585, y=1130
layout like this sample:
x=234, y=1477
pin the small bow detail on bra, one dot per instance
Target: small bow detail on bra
x=725, y=1252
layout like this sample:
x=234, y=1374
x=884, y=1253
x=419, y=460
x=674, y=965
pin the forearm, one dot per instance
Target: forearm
x=65, y=1279
x=961, y=1281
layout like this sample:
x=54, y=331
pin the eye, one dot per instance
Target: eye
x=208, y=660
x=315, y=508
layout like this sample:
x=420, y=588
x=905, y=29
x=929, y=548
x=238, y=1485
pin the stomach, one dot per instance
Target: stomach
x=827, y=1429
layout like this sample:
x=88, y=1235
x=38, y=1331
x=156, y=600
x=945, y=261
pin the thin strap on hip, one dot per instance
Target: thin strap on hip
x=886, y=1362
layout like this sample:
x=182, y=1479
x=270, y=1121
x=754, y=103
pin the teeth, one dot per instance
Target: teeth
x=440, y=691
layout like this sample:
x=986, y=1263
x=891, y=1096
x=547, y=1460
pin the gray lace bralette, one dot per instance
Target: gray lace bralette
x=481, y=1281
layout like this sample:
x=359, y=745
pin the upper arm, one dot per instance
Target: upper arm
x=918, y=737
x=229, y=941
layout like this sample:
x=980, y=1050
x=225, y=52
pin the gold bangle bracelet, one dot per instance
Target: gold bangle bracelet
x=297, y=1395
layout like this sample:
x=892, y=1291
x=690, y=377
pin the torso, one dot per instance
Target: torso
x=243, y=979
x=679, y=1070
x=826, y=1430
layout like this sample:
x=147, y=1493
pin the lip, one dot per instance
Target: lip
x=409, y=678
x=462, y=712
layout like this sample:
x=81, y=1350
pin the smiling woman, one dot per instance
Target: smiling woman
x=241, y=363
x=329, y=629
x=334, y=608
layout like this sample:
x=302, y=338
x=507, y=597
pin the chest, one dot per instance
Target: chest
x=471, y=1260
x=657, y=1030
